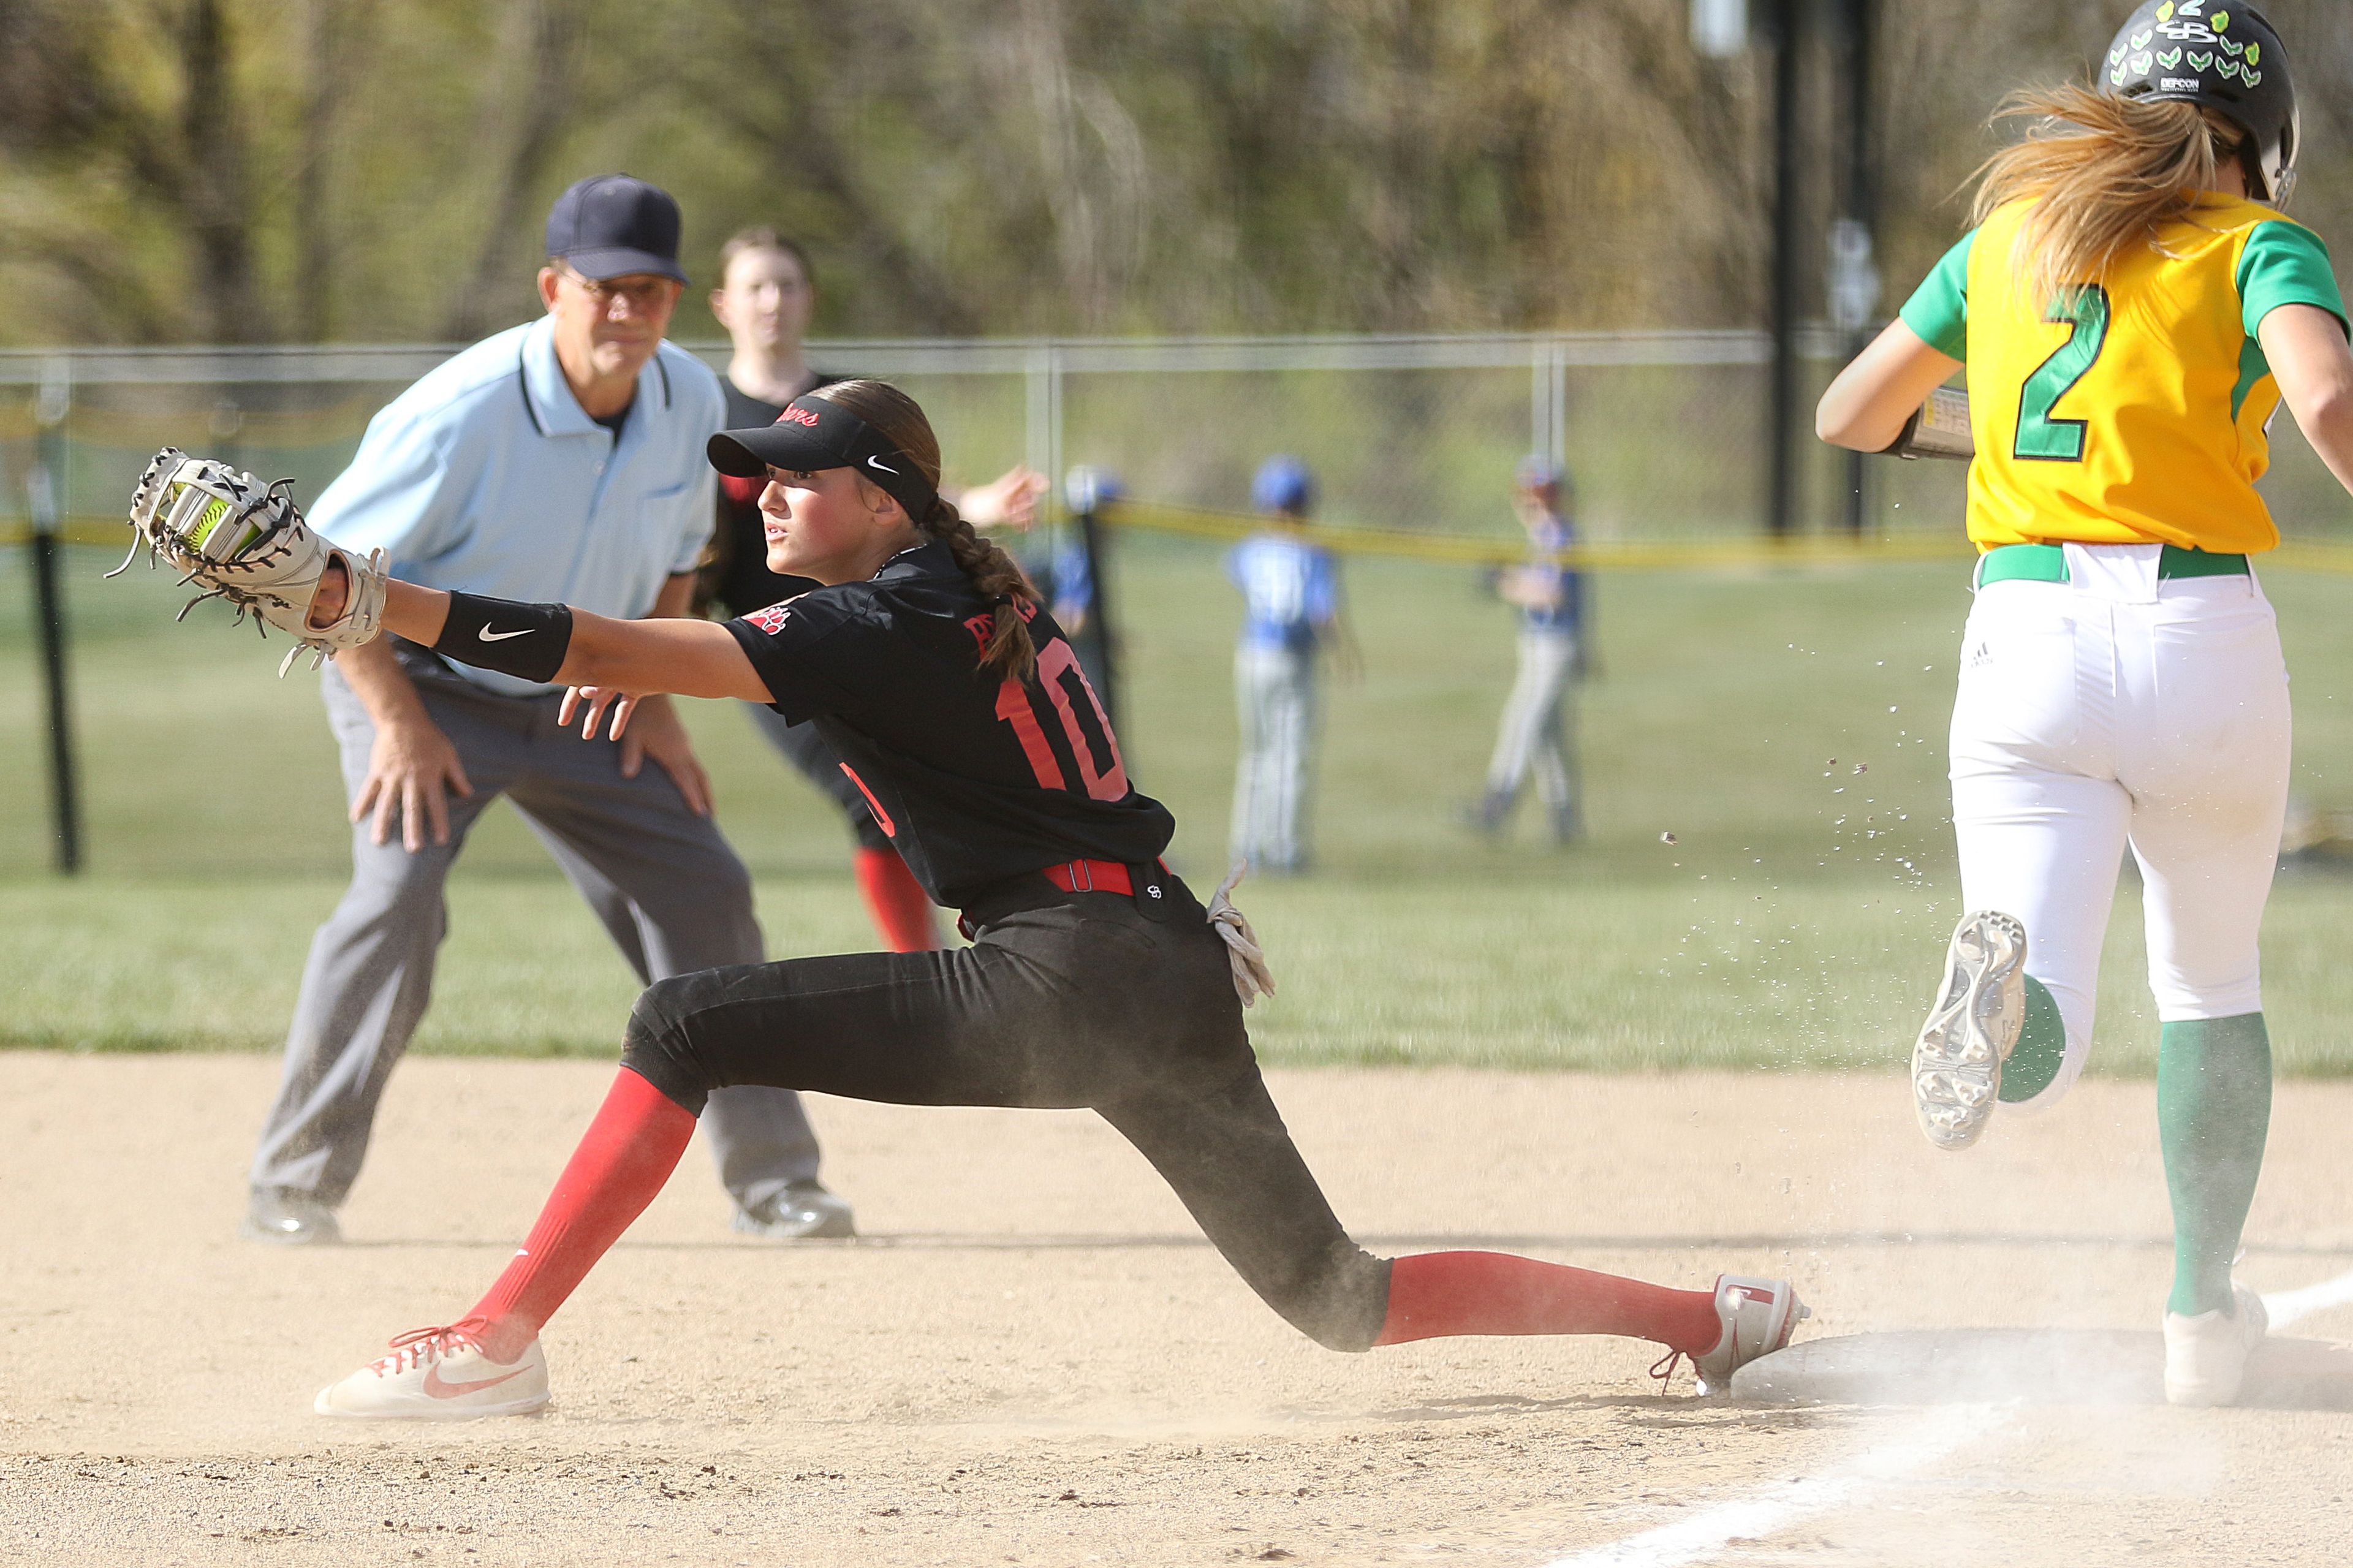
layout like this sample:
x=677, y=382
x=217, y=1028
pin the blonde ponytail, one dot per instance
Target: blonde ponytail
x=2105, y=173
x=995, y=575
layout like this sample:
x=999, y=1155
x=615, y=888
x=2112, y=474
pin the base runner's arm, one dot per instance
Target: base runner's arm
x=1939, y=429
x=2305, y=346
x=1869, y=405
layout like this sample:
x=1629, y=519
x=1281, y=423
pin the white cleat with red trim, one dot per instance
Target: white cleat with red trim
x=1758, y=1316
x=439, y=1374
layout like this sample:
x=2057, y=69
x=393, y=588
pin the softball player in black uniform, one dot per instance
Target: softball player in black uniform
x=766, y=293
x=1096, y=979
x=741, y=583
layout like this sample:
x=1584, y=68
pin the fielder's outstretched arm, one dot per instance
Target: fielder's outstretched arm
x=565, y=646
x=1867, y=406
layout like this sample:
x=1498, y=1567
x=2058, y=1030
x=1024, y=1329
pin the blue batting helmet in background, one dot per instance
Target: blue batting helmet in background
x=1283, y=484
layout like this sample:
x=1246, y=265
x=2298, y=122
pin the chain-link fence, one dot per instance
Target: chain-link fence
x=1662, y=430
x=1413, y=442
x=1665, y=431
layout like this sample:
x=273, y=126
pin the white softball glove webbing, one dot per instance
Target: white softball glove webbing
x=245, y=541
x=1252, y=978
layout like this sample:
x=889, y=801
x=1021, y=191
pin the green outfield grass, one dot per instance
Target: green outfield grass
x=1796, y=920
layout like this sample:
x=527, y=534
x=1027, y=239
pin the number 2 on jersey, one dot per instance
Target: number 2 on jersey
x=1101, y=771
x=2041, y=437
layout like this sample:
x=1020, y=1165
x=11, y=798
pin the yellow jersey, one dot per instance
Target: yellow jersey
x=2133, y=410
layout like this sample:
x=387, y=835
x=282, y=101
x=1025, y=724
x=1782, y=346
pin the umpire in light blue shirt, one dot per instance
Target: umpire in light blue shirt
x=558, y=461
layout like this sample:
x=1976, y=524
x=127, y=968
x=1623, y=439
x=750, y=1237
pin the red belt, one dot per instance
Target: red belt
x=1091, y=877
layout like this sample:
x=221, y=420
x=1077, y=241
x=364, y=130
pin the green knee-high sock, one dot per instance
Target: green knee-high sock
x=2213, y=1112
x=2041, y=1050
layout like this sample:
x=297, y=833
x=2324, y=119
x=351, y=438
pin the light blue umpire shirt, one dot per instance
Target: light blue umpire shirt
x=488, y=476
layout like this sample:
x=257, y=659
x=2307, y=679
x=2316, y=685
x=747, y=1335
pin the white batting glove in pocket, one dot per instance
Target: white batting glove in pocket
x=1252, y=978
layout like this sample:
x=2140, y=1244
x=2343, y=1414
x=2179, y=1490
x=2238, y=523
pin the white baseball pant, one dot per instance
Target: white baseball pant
x=1538, y=731
x=1275, y=690
x=2118, y=709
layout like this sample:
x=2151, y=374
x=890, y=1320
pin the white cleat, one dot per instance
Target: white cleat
x=439, y=1374
x=1979, y=1011
x=1758, y=1316
x=2206, y=1355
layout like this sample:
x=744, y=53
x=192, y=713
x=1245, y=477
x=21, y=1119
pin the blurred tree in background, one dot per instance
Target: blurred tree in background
x=378, y=170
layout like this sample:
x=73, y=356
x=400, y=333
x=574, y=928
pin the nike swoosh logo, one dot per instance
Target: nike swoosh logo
x=879, y=463
x=489, y=635
x=436, y=1388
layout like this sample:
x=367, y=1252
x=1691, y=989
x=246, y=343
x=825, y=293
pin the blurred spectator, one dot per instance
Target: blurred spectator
x=1291, y=595
x=1539, y=732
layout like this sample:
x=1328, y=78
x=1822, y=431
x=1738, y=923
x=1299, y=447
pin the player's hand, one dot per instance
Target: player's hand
x=1009, y=500
x=593, y=703
x=654, y=729
x=411, y=769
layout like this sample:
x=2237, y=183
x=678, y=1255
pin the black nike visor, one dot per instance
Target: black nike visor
x=813, y=434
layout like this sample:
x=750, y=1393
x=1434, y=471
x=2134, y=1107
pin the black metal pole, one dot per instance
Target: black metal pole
x=1862, y=202
x=50, y=613
x=1091, y=540
x=1781, y=506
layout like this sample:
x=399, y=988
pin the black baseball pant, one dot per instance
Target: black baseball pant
x=1065, y=1000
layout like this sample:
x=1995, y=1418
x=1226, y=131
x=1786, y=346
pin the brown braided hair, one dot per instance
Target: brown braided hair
x=994, y=574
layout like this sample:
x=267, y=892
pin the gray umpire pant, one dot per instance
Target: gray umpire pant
x=667, y=888
x=1538, y=733
x=1274, y=696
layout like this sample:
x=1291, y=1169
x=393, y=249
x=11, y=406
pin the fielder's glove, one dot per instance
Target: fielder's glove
x=245, y=543
x=1252, y=978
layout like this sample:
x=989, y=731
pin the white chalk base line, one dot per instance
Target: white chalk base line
x=1919, y=1444
x=2287, y=1307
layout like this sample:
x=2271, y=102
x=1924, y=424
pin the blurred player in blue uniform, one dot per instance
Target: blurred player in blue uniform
x=1539, y=732
x=1291, y=595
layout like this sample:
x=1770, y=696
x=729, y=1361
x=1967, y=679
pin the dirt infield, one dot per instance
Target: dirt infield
x=1034, y=1360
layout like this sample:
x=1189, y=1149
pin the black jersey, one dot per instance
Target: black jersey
x=743, y=582
x=976, y=778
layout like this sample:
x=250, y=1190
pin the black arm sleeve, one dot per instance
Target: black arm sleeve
x=527, y=641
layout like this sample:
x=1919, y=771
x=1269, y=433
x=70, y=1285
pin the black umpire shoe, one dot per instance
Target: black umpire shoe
x=804, y=1213
x=285, y=1219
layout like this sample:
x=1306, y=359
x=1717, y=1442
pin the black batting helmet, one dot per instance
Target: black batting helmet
x=2221, y=54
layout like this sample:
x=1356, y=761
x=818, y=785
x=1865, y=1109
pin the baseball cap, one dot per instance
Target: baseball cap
x=608, y=225
x=1283, y=484
x=814, y=434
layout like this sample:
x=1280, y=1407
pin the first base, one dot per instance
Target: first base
x=2029, y=1367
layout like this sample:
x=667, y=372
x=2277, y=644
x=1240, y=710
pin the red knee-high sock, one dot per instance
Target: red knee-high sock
x=902, y=910
x=1436, y=1295
x=626, y=1154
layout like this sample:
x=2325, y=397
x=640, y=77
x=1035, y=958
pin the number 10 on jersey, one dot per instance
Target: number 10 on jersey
x=1094, y=749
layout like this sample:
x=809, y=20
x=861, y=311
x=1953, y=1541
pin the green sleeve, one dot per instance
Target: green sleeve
x=2284, y=264
x=1938, y=309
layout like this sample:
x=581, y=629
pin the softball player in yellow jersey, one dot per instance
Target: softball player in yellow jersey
x=2131, y=313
